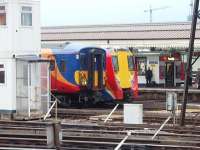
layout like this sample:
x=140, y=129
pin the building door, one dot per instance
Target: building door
x=32, y=84
x=169, y=74
x=34, y=88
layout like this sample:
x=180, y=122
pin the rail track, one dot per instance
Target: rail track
x=83, y=133
x=96, y=135
x=100, y=115
x=93, y=136
x=99, y=136
x=20, y=134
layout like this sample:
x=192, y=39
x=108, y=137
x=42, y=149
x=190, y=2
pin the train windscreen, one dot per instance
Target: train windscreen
x=130, y=63
x=115, y=63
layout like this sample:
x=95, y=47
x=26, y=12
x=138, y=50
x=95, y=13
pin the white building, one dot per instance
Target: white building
x=24, y=78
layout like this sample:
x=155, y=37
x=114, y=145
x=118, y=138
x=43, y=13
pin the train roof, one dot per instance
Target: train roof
x=114, y=51
x=73, y=49
x=78, y=47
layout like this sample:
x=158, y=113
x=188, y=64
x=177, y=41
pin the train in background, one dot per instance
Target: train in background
x=77, y=73
x=113, y=91
x=119, y=75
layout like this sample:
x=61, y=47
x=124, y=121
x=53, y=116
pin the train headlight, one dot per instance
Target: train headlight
x=84, y=82
x=83, y=78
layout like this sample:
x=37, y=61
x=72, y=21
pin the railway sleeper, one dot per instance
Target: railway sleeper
x=127, y=145
x=142, y=140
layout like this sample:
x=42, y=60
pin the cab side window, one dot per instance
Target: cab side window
x=130, y=63
x=52, y=65
x=115, y=63
x=63, y=66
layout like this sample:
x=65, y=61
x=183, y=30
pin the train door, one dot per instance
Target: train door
x=93, y=64
x=98, y=73
x=169, y=74
x=96, y=70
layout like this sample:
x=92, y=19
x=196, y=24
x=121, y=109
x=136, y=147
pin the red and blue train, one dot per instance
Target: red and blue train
x=77, y=73
x=85, y=75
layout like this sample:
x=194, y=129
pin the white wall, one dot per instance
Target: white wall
x=16, y=39
x=8, y=90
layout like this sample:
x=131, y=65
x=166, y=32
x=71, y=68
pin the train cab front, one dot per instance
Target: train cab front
x=92, y=71
x=123, y=61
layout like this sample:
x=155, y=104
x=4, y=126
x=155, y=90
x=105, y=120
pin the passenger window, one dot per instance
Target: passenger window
x=63, y=66
x=2, y=74
x=115, y=63
x=130, y=63
x=83, y=61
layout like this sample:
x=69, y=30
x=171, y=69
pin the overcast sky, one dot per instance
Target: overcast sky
x=86, y=12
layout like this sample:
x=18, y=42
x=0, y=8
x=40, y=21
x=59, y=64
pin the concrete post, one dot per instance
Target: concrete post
x=50, y=135
x=57, y=134
x=54, y=135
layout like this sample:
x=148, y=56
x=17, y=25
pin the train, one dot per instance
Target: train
x=122, y=62
x=85, y=75
x=113, y=90
x=77, y=73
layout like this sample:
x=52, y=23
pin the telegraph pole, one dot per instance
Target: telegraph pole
x=189, y=61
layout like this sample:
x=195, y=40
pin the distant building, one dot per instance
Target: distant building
x=163, y=36
x=144, y=35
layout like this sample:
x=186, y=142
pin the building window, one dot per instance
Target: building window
x=142, y=65
x=2, y=15
x=162, y=72
x=178, y=71
x=2, y=74
x=26, y=16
